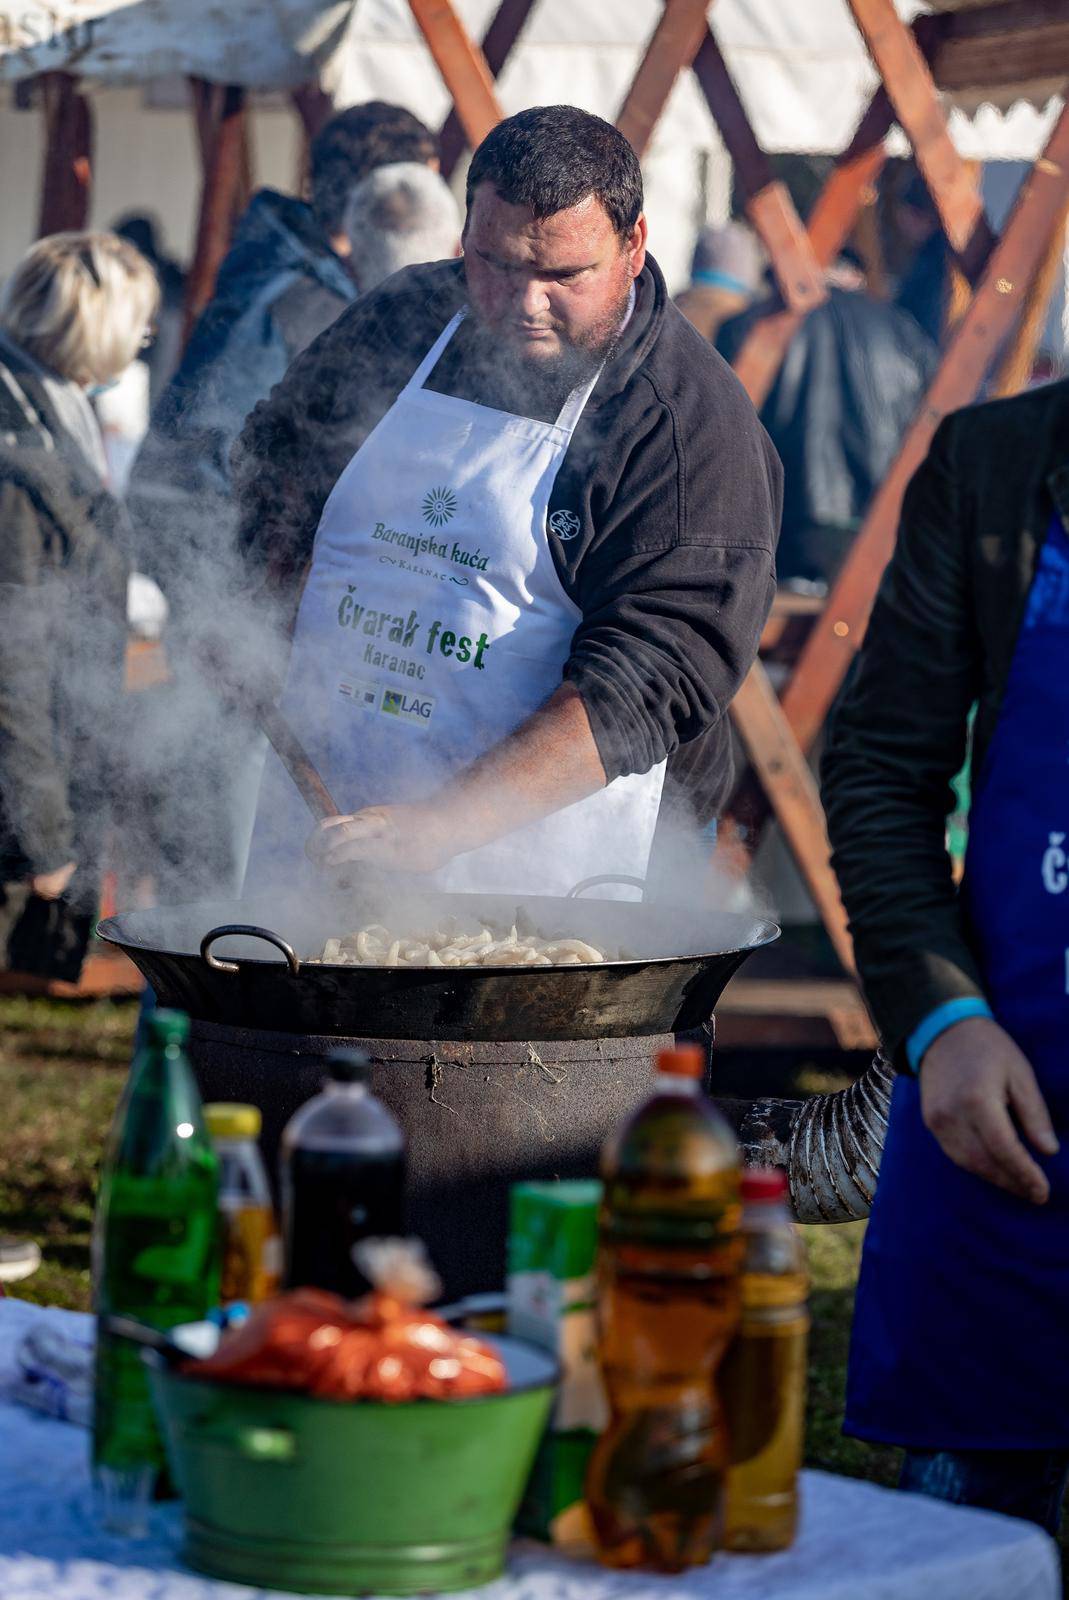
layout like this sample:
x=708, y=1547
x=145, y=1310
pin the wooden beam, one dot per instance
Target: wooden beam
x=768, y=204
x=207, y=101
x=908, y=82
x=67, y=169
x=501, y=35
x=314, y=109
x=832, y=219
x=462, y=66
x=996, y=306
x=209, y=107
x=313, y=105
x=1001, y=44
x=1015, y=369
x=792, y=790
x=224, y=157
x=675, y=42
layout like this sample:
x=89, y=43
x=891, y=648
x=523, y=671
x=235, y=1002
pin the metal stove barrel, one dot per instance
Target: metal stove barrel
x=477, y=1116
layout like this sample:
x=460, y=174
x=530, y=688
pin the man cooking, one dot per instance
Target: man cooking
x=537, y=516
x=958, y=1348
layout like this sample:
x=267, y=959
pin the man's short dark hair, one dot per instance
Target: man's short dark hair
x=354, y=143
x=550, y=158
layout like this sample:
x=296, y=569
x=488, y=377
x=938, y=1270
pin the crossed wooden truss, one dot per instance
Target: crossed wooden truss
x=1008, y=278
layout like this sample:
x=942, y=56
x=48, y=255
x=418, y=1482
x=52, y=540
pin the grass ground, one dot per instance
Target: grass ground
x=61, y=1070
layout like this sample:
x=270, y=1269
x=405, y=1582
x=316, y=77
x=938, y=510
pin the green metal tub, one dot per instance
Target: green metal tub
x=284, y=1491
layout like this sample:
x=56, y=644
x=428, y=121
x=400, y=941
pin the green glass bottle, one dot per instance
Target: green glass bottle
x=155, y=1255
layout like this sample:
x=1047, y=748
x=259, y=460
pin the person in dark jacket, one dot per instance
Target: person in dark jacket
x=848, y=389
x=531, y=518
x=284, y=280
x=959, y=1330
x=74, y=314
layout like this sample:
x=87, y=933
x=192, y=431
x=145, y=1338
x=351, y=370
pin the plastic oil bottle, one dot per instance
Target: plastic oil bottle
x=667, y=1305
x=251, y=1247
x=763, y=1378
x=155, y=1256
x=343, y=1175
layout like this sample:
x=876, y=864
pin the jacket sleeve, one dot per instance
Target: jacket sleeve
x=895, y=741
x=676, y=589
x=34, y=790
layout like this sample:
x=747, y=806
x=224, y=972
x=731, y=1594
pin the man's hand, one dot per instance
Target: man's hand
x=972, y=1078
x=395, y=838
x=51, y=885
x=550, y=761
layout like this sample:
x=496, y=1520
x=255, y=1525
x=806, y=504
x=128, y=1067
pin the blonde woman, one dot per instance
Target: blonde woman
x=72, y=316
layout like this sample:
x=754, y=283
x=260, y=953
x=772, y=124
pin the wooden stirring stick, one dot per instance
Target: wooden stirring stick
x=293, y=756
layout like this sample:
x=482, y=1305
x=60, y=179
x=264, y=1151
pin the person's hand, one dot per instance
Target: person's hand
x=394, y=838
x=51, y=885
x=974, y=1082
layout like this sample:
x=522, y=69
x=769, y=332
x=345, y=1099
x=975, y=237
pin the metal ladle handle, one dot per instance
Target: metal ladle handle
x=604, y=877
x=252, y=932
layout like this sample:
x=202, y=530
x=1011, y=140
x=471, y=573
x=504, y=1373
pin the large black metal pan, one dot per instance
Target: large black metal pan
x=247, y=964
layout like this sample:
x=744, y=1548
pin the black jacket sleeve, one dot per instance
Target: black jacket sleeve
x=296, y=444
x=678, y=583
x=34, y=790
x=895, y=741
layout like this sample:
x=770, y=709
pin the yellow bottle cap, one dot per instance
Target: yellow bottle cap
x=228, y=1119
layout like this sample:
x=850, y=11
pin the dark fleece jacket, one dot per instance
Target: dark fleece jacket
x=673, y=483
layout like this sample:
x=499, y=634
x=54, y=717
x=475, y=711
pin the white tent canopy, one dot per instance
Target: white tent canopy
x=801, y=68
x=259, y=43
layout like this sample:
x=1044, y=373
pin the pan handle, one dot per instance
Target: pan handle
x=603, y=877
x=251, y=932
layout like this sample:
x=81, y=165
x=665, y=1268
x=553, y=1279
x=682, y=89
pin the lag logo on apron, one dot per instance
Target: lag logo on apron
x=959, y=1337
x=432, y=624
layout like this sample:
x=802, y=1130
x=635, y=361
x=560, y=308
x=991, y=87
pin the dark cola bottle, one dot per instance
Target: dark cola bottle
x=343, y=1175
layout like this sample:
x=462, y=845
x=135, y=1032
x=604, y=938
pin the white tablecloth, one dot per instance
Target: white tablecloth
x=857, y=1541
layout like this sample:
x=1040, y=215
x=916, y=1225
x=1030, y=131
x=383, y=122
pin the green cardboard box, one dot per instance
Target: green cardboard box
x=553, y=1235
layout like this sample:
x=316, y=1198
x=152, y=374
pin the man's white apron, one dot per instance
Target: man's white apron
x=432, y=624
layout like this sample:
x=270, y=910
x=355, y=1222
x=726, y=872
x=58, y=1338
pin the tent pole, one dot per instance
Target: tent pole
x=66, y=175
x=1015, y=370
x=833, y=216
x=501, y=35
x=462, y=66
x=954, y=188
x=757, y=365
x=314, y=108
x=223, y=163
x=674, y=44
x=795, y=799
x=830, y=223
x=768, y=204
x=996, y=306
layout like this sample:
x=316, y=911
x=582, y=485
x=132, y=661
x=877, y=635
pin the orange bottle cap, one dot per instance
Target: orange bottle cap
x=763, y=1183
x=685, y=1061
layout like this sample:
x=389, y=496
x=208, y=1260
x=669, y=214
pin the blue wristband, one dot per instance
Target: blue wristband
x=938, y=1021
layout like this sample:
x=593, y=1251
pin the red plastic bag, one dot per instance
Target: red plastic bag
x=385, y=1347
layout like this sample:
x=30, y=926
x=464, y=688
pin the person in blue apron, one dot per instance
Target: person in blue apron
x=528, y=521
x=958, y=1345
